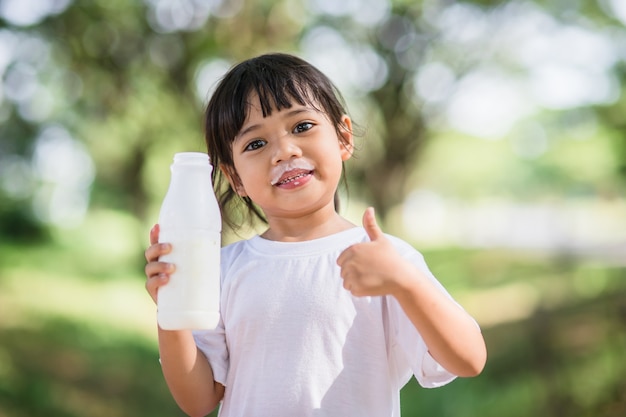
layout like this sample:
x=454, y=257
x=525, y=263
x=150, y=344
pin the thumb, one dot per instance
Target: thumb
x=370, y=225
x=154, y=234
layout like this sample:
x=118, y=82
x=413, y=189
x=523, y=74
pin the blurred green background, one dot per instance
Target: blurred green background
x=494, y=141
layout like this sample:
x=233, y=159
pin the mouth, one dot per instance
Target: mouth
x=293, y=177
x=292, y=173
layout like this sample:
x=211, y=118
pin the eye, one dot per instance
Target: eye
x=303, y=127
x=255, y=144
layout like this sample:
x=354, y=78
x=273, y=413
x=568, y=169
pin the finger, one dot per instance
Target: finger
x=154, y=234
x=370, y=225
x=153, y=284
x=341, y=258
x=159, y=268
x=344, y=256
x=155, y=251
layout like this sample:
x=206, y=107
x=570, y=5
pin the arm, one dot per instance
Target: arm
x=188, y=373
x=453, y=338
x=186, y=370
x=376, y=268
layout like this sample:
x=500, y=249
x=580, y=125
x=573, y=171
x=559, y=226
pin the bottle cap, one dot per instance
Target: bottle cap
x=191, y=158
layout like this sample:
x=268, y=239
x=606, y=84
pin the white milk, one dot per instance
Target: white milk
x=190, y=220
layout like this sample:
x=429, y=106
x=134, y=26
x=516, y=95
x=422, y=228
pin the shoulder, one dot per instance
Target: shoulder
x=410, y=253
x=234, y=247
x=231, y=253
x=402, y=246
x=233, y=250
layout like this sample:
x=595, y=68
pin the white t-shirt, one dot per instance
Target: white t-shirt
x=293, y=342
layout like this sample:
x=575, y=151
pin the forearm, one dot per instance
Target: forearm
x=188, y=373
x=453, y=338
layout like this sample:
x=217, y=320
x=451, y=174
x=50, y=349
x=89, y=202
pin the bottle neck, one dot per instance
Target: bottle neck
x=192, y=158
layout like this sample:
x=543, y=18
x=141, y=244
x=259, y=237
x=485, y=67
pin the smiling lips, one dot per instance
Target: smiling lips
x=292, y=173
x=293, y=177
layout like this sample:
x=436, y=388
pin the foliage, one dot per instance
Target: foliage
x=62, y=368
x=128, y=81
x=66, y=351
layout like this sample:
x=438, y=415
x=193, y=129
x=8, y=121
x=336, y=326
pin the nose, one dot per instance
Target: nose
x=285, y=149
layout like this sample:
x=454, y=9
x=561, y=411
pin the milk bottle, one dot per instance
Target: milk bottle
x=190, y=221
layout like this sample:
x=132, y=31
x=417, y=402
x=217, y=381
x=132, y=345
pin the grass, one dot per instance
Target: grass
x=77, y=336
x=73, y=343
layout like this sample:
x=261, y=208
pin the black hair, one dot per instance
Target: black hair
x=278, y=80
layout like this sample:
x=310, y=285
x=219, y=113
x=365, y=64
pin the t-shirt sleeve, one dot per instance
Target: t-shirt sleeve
x=212, y=343
x=410, y=353
x=408, y=347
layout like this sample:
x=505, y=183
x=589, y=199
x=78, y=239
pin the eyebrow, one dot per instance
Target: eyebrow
x=290, y=113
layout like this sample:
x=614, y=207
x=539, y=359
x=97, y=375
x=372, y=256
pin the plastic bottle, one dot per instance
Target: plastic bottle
x=190, y=221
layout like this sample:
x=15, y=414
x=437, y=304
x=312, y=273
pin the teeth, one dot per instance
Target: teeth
x=291, y=179
x=293, y=164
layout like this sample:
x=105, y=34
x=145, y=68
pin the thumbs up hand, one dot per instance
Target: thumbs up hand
x=374, y=267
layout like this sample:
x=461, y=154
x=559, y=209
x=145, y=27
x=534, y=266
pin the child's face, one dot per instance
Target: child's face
x=302, y=137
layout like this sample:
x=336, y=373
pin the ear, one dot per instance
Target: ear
x=233, y=180
x=346, y=140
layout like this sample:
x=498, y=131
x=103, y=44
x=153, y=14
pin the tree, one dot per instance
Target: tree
x=123, y=81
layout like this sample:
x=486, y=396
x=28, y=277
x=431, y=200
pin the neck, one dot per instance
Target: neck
x=311, y=226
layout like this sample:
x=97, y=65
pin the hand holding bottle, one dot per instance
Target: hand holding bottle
x=157, y=273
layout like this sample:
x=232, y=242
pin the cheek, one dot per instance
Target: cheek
x=250, y=175
x=333, y=170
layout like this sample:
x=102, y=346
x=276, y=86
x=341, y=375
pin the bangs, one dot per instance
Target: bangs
x=277, y=86
x=277, y=94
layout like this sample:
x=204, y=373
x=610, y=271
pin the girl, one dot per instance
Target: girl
x=319, y=317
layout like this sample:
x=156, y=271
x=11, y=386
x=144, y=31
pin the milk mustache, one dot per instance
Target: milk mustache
x=190, y=221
